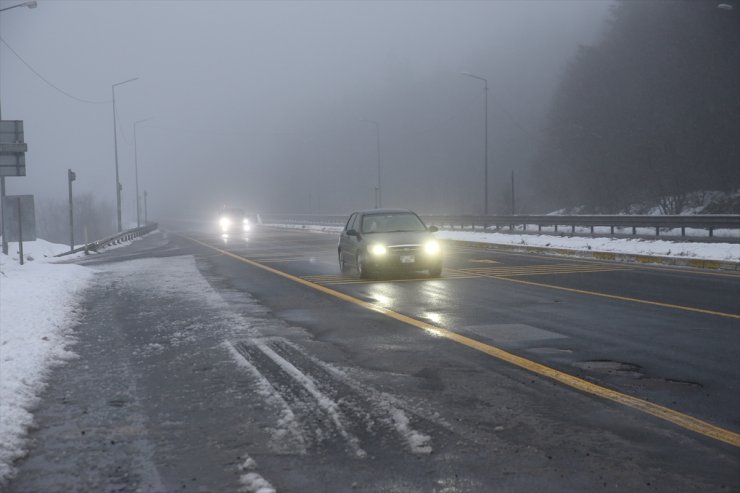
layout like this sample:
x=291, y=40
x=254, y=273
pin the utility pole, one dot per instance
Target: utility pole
x=513, y=199
x=146, y=220
x=485, y=158
x=136, y=167
x=378, y=189
x=119, y=187
x=31, y=4
x=71, y=176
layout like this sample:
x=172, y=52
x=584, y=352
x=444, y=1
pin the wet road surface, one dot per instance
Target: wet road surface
x=198, y=371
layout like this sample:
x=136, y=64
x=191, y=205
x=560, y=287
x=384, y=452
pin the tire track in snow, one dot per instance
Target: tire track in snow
x=319, y=416
x=325, y=403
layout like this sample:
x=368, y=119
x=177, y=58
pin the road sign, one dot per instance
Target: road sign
x=12, y=148
x=15, y=207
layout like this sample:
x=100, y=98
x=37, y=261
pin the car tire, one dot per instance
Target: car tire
x=362, y=267
x=342, y=264
x=435, y=271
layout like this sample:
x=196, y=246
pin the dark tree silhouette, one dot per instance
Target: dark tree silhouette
x=650, y=113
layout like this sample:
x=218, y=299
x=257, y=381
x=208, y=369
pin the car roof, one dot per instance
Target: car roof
x=384, y=211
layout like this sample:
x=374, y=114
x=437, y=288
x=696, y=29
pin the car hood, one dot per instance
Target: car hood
x=400, y=238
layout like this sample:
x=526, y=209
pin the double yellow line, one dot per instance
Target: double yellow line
x=683, y=420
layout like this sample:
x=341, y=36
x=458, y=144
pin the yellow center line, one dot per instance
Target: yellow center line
x=676, y=417
x=635, y=266
x=617, y=297
x=506, y=277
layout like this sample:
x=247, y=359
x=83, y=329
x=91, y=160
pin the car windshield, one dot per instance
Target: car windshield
x=233, y=212
x=391, y=223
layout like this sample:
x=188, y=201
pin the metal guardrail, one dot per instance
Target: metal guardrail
x=710, y=223
x=113, y=240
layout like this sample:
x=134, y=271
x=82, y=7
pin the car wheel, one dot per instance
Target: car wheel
x=435, y=271
x=362, y=268
x=342, y=263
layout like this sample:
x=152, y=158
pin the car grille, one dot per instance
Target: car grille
x=404, y=249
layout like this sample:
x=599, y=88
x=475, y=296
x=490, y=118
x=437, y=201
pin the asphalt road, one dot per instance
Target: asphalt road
x=510, y=373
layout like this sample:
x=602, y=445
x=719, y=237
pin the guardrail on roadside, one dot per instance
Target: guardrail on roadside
x=709, y=223
x=112, y=240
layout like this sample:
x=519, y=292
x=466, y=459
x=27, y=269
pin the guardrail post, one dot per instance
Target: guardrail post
x=657, y=230
x=573, y=228
x=539, y=228
x=683, y=231
x=711, y=232
x=611, y=228
x=634, y=230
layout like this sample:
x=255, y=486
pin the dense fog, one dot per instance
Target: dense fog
x=261, y=104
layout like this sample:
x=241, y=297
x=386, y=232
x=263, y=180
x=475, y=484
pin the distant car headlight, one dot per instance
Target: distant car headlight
x=431, y=247
x=377, y=249
x=225, y=222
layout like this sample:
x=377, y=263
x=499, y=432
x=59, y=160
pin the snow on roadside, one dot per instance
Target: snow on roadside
x=253, y=482
x=637, y=246
x=38, y=308
x=707, y=251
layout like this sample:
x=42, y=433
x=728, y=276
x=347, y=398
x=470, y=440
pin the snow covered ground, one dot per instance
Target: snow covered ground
x=638, y=246
x=38, y=307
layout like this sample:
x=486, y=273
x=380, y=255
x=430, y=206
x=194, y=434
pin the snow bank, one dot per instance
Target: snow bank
x=38, y=307
x=637, y=246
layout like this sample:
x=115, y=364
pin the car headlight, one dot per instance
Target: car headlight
x=225, y=222
x=377, y=249
x=431, y=247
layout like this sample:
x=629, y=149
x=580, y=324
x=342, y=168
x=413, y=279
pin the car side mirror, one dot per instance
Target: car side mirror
x=352, y=232
x=432, y=229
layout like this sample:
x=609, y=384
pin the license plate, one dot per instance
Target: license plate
x=407, y=259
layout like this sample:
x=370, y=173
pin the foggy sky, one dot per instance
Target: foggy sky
x=258, y=104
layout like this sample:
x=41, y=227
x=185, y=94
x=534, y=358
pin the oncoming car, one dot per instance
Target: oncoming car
x=386, y=240
x=232, y=220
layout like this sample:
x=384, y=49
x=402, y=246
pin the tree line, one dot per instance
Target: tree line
x=93, y=219
x=650, y=113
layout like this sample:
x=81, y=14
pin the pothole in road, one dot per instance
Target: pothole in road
x=549, y=350
x=632, y=375
x=611, y=367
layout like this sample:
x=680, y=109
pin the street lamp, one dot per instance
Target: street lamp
x=115, y=147
x=378, y=192
x=136, y=167
x=30, y=5
x=485, y=159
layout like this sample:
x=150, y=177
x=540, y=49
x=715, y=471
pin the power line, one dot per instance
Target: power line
x=81, y=100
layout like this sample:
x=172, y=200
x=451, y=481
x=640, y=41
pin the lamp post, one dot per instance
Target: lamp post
x=136, y=169
x=378, y=190
x=485, y=159
x=115, y=147
x=31, y=5
x=71, y=176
